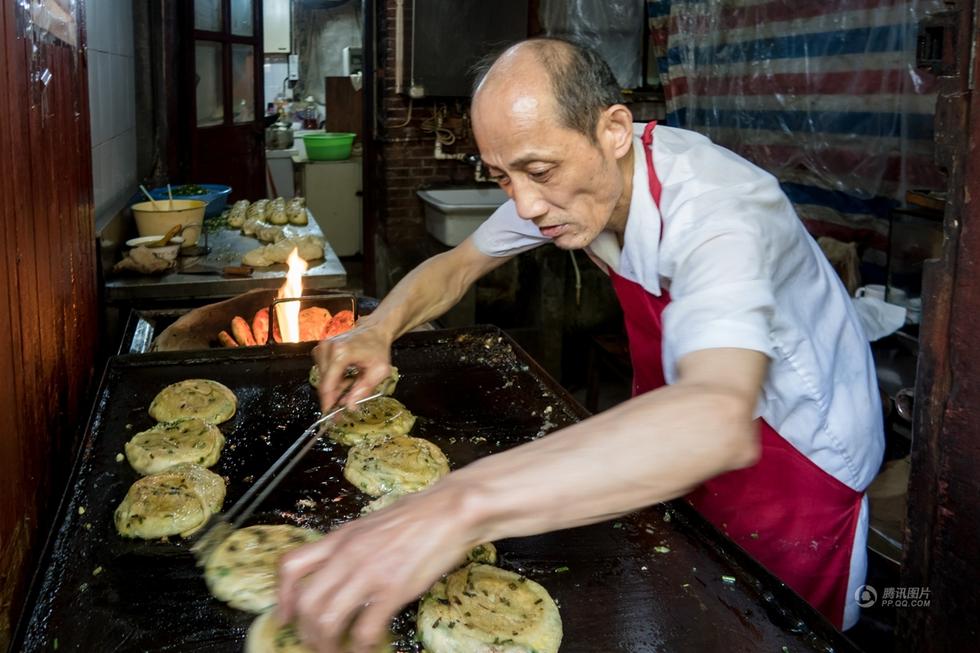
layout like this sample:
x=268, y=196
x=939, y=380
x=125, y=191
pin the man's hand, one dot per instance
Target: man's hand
x=343, y=590
x=366, y=349
x=425, y=293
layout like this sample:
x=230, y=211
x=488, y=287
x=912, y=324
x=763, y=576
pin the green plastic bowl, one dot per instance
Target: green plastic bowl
x=331, y=146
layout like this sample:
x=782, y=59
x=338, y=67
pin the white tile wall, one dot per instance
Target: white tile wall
x=275, y=71
x=112, y=103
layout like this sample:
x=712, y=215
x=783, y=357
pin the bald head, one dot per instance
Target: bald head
x=566, y=80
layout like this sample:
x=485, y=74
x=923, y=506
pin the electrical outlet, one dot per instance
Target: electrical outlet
x=294, y=67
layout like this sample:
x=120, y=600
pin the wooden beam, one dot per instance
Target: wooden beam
x=942, y=554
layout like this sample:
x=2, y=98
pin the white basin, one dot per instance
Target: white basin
x=452, y=214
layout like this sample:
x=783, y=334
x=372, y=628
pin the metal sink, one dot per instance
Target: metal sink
x=452, y=214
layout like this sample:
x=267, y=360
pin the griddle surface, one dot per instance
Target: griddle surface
x=474, y=392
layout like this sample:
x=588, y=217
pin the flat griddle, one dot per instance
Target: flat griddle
x=475, y=392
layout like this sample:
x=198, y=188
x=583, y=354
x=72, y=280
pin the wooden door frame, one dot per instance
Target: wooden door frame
x=371, y=154
x=188, y=36
x=942, y=539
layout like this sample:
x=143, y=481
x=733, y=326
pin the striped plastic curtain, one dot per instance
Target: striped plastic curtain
x=824, y=95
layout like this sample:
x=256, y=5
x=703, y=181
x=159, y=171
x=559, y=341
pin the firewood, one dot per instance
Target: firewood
x=242, y=332
x=341, y=322
x=313, y=321
x=260, y=326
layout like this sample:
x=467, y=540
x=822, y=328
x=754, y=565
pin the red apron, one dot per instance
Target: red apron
x=789, y=514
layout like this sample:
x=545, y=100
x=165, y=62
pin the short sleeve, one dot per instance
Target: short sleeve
x=721, y=295
x=505, y=233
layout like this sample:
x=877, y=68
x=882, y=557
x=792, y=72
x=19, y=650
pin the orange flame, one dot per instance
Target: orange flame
x=287, y=313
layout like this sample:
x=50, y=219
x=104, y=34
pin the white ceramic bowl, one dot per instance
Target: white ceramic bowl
x=168, y=252
x=187, y=213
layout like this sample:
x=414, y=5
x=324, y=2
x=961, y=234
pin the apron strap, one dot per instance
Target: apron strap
x=655, y=187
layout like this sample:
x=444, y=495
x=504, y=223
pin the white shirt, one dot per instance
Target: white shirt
x=743, y=272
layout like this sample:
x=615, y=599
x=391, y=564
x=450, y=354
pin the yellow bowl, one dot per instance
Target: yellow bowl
x=151, y=221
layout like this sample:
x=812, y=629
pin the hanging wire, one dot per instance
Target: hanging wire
x=408, y=118
x=433, y=125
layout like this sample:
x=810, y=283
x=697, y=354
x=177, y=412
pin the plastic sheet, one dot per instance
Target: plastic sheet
x=322, y=33
x=823, y=94
x=56, y=18
x=613, y=27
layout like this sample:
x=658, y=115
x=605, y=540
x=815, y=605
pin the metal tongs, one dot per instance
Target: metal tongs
x=221, y=525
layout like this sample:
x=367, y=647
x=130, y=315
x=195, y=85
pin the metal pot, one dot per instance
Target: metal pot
x=279, y=136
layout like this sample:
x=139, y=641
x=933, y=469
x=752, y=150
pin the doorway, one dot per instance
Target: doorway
x=220, y=102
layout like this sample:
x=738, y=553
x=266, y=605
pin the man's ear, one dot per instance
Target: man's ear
x=615, y=130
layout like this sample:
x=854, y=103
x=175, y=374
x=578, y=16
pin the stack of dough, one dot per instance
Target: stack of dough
x=187, y=440
x=277, y=216
x=177, y=501
x=257, y=210
x=485, y=609
x=309, y=248
x=264, y=219
x=276, y=211
x=296, y=211
x=237, y=214
x=254, y=221
x=242, y=569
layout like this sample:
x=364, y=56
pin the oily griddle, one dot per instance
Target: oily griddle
x=474, y=392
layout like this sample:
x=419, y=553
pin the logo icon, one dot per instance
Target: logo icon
x=865, y=596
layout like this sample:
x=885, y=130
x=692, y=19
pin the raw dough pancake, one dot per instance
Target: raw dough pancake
x=265, y=635
x=381, y=416
x=386, y=387
x=177, y=501
x=382, y=502
x=483, y=553
x=242, y=570
x=484, y=609
x=190, y=440
x=397, y=463
x=209, y=400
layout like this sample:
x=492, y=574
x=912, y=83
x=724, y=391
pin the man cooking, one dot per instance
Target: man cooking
x=754, y=389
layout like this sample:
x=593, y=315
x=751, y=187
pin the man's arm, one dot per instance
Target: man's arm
x=423, y=294
x=652, y=448
x=656, y=447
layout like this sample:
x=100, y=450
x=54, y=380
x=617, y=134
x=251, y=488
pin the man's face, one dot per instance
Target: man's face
x=558, y=178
